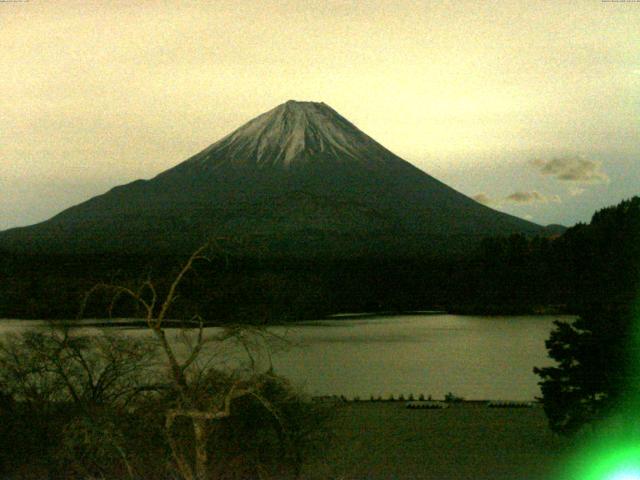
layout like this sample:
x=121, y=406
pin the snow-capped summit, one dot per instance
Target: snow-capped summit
x=292, y=135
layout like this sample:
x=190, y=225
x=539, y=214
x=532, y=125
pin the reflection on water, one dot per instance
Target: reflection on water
x=471, y=356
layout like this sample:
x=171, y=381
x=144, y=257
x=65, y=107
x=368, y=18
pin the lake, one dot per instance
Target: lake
x=475, y=357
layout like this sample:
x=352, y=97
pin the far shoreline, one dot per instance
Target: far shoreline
x=137, y=323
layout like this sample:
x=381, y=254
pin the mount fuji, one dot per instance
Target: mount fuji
x=297, y=180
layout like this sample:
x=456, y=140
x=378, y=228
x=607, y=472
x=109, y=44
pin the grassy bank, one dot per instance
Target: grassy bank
x=375, y=440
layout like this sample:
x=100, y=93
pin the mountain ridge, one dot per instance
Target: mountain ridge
x=297, y=173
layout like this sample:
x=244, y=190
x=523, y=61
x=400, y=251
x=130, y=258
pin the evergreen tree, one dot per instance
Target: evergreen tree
x=596, y=367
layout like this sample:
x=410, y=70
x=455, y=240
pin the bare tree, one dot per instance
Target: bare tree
x=193, y=398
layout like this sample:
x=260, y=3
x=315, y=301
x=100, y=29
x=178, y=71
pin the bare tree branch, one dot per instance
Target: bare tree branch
x=170, y=298
x=195, y=351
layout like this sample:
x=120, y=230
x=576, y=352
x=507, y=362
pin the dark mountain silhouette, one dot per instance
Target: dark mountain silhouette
x=299, y=180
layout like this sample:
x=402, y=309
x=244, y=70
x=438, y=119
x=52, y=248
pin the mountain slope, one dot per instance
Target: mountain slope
x=299, y=179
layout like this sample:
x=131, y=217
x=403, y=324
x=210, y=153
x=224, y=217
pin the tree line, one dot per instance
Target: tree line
x=504, y=275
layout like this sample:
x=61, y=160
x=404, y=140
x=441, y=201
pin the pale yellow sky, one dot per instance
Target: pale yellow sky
x=97, y=94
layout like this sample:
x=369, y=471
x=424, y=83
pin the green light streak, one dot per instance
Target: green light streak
x=612, y=450
x=610, y=462
x=626, y=475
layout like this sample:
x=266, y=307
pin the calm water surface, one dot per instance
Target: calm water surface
x=472, y=356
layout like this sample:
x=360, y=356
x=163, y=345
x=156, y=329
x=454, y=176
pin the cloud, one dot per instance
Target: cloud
x=575, y=191
x=522, y=198
x=483, y=198
x=532, y=197
x=572, y=168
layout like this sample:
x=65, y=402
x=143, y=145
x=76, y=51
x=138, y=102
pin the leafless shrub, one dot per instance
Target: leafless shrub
x=85, y=378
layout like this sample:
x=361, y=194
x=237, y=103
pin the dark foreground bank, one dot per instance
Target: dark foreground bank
x=385, y=440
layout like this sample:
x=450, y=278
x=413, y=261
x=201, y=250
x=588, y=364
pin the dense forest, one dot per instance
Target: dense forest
x=506, y=275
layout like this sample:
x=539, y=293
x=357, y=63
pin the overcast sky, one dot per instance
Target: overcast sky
x=531, y=107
